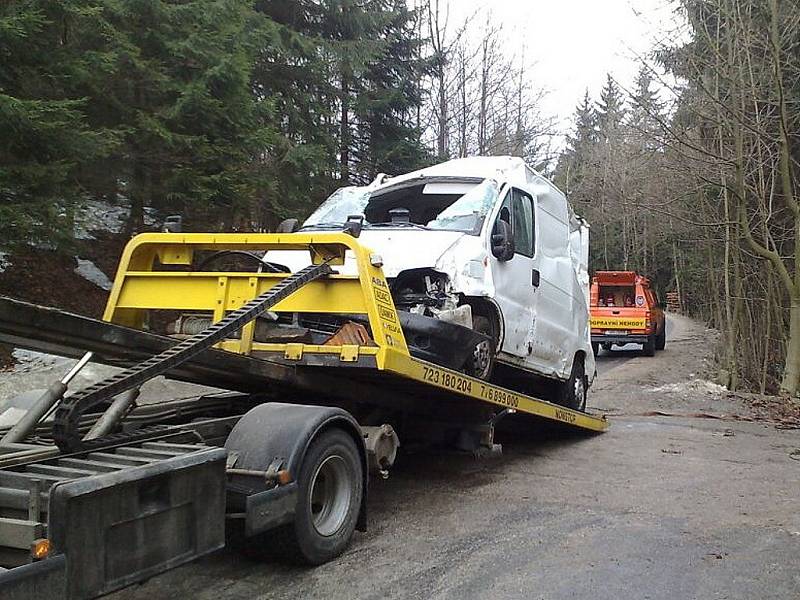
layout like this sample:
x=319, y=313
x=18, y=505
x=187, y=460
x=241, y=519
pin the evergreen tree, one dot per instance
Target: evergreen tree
x=580, y=150
x=387, y=140
x=45, y=137
x=176, y=80
x=646, y=113
x=611, y=110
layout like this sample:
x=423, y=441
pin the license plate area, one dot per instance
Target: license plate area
x=616, y=332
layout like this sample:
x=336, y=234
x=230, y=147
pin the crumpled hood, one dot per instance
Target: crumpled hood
x=403, y=249
x=400, y=249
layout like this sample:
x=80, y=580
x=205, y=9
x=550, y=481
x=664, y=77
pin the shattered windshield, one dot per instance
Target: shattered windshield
x=468, y=212
x=451, y=205
x=341, y=204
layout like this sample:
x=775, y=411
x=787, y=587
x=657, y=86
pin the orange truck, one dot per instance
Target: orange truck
x=625, y=310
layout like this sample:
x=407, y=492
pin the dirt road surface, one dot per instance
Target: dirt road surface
x=659, y=507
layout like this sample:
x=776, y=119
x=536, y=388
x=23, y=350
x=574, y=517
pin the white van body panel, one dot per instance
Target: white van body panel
x=542, y=328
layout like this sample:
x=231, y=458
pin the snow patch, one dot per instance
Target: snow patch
x=692, y=387
x=90, y=272
x=97, y=215
x=26, y=361
x=5, y=262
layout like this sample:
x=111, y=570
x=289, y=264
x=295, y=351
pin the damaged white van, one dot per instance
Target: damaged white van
x=487, y=265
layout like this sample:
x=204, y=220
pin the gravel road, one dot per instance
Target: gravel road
x=659, y=507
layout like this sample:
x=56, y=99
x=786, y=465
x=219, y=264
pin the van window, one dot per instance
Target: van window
x=522, y=222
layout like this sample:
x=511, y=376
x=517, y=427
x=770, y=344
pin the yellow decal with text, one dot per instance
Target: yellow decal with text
x=617, y=323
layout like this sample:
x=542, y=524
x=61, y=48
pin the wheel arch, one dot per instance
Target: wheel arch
x=488, y=308
x=282, y=431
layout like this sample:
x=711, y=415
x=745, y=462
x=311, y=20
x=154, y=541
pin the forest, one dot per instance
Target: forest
x=237, y=114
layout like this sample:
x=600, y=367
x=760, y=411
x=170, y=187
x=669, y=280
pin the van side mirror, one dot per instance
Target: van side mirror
x=288, y=226
x=502, y=241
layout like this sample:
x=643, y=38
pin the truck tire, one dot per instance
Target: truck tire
x=661, y=338
x=330, y=490
x=595, y=348
x=572, y=392
x=649, y=347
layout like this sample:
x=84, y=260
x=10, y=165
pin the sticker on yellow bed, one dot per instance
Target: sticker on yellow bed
x=616, y=323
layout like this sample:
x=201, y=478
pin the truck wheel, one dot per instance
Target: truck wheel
x=661, y=338
x=573, y=390
x=649, y=347
x=330, y=490
x=607, y=346
x=330, y=496
x=595, y=348
x=481, y=364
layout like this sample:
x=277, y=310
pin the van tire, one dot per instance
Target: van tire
x=573, y=391
x=484, y=367
x=649, y=347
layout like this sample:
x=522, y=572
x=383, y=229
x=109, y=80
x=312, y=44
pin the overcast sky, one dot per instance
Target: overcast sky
x=574, y=43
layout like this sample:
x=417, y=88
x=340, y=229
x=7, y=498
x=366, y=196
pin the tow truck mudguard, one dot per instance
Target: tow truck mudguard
x=110, y=530
x=277, y=435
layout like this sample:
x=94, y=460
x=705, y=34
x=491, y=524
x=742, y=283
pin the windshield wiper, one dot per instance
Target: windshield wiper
x=399, y=224
x=329, y=225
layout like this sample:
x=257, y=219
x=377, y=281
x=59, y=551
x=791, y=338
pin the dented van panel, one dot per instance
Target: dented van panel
x=436, y=232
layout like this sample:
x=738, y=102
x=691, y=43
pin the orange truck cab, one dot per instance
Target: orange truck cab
x=624, y=310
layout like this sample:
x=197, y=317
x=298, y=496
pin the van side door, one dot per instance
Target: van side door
x=515, y=280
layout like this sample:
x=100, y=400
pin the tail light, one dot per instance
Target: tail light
x=647, y=322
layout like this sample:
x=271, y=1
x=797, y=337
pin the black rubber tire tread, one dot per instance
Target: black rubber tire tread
x=566, y=397
x=482, y=324
x=649, y=347
x=595, y=348
x=661, y=338
x=298, y=542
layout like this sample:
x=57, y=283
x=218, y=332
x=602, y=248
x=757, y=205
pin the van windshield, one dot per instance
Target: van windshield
x=451, y=206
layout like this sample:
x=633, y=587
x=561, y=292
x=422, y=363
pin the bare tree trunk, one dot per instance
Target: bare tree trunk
x=344, y=127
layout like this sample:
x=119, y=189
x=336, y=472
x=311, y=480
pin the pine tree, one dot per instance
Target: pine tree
x=611, y=110
x=580, y=150
x=177, y=82
x=646, y=114
x=45, y=138
x=387, y=139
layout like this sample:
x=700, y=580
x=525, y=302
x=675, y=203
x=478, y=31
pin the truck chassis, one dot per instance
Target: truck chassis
x=113, y=493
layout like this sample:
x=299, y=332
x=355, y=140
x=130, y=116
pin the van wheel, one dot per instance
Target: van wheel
x=481, y=364
x=573, y=391
x=649, y=347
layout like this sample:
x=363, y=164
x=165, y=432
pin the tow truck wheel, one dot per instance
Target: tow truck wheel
x=573, y=390
x=595, y=348
x=330, y=490
x=661, y=338
x=649, y=347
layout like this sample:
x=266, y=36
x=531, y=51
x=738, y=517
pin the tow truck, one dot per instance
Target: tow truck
x=624, y=309
x=98, y=492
